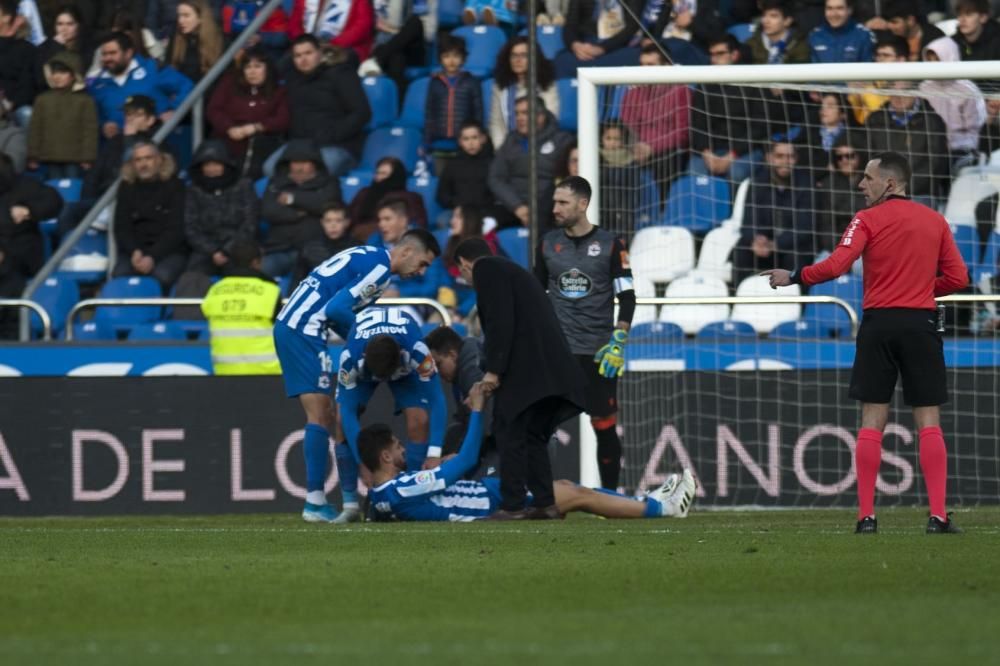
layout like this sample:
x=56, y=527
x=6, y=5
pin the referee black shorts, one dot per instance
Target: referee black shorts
x=894, y=342
x=601, y=392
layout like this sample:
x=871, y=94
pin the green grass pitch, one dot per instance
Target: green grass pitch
x=717, y=588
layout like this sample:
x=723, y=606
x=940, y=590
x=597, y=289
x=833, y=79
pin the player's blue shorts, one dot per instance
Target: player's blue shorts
x=306, y=364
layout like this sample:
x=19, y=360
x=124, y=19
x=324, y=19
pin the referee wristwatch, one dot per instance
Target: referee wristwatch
x=795, y=276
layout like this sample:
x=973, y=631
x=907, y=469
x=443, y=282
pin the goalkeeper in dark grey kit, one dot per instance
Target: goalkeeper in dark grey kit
x=583, y=268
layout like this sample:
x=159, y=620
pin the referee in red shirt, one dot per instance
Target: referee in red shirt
x=909, y=257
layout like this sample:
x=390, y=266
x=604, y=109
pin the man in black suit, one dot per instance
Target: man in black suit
x=536, y=382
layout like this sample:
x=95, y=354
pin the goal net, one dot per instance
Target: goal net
x=712, y=174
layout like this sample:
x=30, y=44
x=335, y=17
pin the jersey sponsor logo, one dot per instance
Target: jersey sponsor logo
x=574, y=283
x=594, y=249
x=849, y=234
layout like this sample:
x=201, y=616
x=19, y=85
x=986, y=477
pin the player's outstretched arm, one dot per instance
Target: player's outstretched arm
x=468, y=456
x=438, y=415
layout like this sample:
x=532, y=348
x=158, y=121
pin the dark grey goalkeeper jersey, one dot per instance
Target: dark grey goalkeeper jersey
x=583, y=275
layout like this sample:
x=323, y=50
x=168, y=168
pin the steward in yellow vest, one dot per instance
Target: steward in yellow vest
x=240, y=309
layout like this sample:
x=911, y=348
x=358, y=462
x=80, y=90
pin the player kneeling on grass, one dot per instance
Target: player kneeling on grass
x=441, y=494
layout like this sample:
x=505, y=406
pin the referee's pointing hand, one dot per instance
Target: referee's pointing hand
x=779, y=277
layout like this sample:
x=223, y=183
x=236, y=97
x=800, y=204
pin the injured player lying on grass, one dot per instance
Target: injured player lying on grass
x=442, y=494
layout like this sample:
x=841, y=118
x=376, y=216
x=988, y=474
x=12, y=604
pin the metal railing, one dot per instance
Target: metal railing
x=91, y=303
x=27, y=304
x=193, y=98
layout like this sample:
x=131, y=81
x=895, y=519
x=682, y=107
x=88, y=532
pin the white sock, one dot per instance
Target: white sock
x=351, y=505
x=316, y=497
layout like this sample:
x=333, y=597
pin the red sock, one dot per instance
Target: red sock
x=934, y=465
x=867, y=458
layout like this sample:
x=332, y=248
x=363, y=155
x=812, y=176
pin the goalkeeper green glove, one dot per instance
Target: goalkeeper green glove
x=611, y=357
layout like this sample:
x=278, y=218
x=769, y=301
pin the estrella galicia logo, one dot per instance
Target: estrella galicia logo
x=574, y=283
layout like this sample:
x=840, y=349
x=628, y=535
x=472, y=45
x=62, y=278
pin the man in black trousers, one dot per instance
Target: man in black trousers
x=536, y=382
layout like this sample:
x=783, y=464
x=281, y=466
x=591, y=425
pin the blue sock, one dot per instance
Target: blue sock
x=316, y=448
x=348, y=471
x=654, y=508
x=415, y=456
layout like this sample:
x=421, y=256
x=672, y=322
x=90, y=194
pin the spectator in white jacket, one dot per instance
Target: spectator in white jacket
x=959, y=103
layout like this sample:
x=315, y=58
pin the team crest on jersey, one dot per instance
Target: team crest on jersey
x=574, y=283
x=594, y=249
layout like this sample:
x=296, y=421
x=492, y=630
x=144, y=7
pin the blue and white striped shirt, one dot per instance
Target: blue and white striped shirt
x=424, y=496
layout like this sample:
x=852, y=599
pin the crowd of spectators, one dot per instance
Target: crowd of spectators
x=84, y=85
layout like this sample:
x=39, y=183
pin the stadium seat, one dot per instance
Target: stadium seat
x=644, y=289
x=550, y=41
x=567, y=89
x=123, y=318
x=832, y=318
x=442, y=236
x=57, y=295
x=92, y=331
x=765, y=317
x=414, y=104
x=178, y=142
x=655, y=332
x=967, y=240
x=991, y=257
x=285, y=285
x=741, y=31
x=401, y=142
x=194, y=329
x=797, y=330
x=723, y=330
x=487, y=88
x=350, y=185
x=259, y=186
x=483, y=42
x=87, y=262
x=69, y=189
x=449, y=13
x=383, y=98
x=698, y=203
x=426, y=329
x=426, y=187
x=692, y=317
x=157, y=331
x=662, y=254
x=514, y=242
x=948, y=26
x=716, y=248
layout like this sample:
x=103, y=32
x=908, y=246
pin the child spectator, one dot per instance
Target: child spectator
x=453, y=97
x=336, y=223
x=389, y=179
x=463, y=181
x=466, y=222
x=63, y=131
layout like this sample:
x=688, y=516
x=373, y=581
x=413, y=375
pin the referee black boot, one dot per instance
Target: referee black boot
x=867, y=525
x=937, y=526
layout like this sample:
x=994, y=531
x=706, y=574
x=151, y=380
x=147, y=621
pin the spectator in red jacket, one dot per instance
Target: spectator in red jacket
x=349, y=24
x=249, y=109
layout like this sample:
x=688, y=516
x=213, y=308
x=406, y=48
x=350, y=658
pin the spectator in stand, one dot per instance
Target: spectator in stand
x=161, y=16
x=453, y=96
x=978, y=35
x=778, y=224
x=831, y=122
x=63, y=132
x=598, y=34
x=777, y=42
x=658, y=117
x=466, y=222
x=888, y=48
x=464, y=179
x=989, y=136
x=491, y=12
x=337, y=237
x=17, y=67
x=903, y=18
x=623, y=180
x=125, y=74
x=140, y=123
x=691, y=21
x=24, y=202
x=959, y=103
x=197, y=43
x=149, y=216
x=726, y=122
x=389, y=179
x=839, y=38
x=348, y=24
x=68, y=34
x=510, y=81
x=908, y=125
x=144, y=41
x=13, y=142
x=509, y=173
x=399, y=42
x=568, y=162
x=273, y=35
x=249, y=110
x=220, y=211
x=327, y=104
x=838, y=197
x=29, y=20
x=293, y=204
x=394, y=221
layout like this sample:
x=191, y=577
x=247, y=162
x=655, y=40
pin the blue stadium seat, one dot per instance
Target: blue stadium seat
x=87, y=260
x=741, y=31
x=414, y=104
x=832, y=318
x=122, y=318
x=157, y=331
x=797, y=330
x=350, y=185
x=426, y=187
x=92, y=330
x=550, y=40
x=483, y=42
x=967, y=241
x=450, y=13
x=57, y=295
x=178, y=142
x=401, y=142
x=729, y=329
x=442, y=236
x=487, y=88
x=991, y=257
x=655, y=332
x=383, y=98
x=567, y=89
x=69, y=189
x=426, y=329
x=285, y=285
x=259, y=186
x=697, y=203
x=609, y=101
x=194, y=329
x=514, y=242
